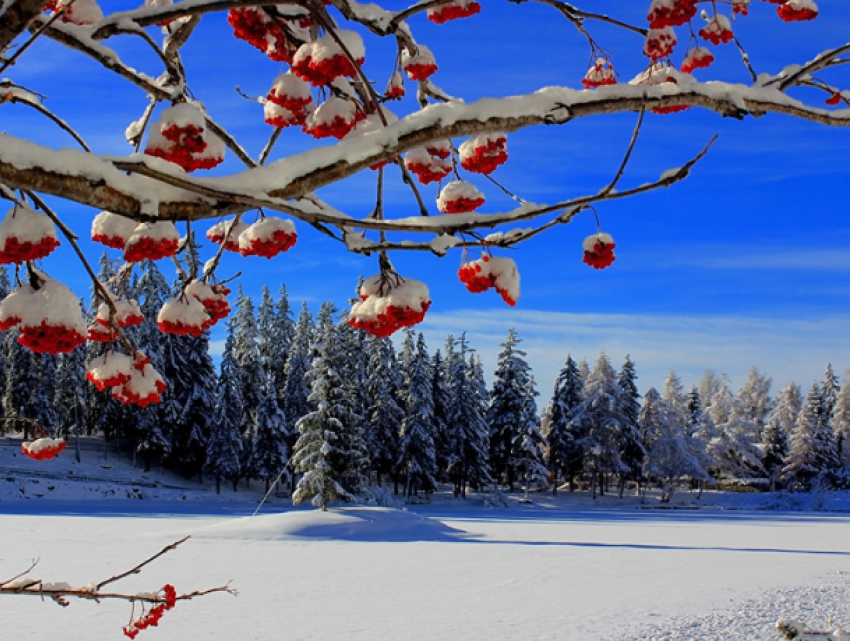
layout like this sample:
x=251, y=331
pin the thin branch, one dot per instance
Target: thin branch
x=168, y=548
x=34, y=104
x=28, y=10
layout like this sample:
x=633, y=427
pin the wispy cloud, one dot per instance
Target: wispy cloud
x=787, y=349
x=732, y=257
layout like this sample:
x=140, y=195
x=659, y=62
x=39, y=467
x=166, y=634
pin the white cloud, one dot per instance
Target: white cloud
x=786, y=349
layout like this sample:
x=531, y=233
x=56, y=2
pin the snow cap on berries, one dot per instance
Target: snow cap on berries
x=492, y=271
x=601, y=73
x=227, y=232
x=483, y=153
x=212, y=297
x=152, y=241
x=718, y=30
x=81, y=12
x=427, y=168
x=380, y=312
x=52, y=322
x=110, y=370
x=26, y=234
x=144, y=387
x=459, y=197
x=322, y=60
x=659, y=43
x=453, y=10
x=797, y=10
x=15, y=306
x=183, y=315
x=335, y=117
x=598, y=250
x=267, y=237
x=127, y=313
x=43, y=448
x=181, y=137
x=419, y=66
x=112, y=230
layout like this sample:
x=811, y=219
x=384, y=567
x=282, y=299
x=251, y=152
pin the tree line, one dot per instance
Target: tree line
x=326, y=409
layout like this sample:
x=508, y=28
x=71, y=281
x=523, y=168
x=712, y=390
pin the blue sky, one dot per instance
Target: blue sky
x=745, y=263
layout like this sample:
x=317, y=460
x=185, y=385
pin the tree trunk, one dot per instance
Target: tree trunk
x=593, y=485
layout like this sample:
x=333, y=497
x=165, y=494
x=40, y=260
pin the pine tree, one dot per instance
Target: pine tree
x=507, y=403
x=22, y=382
x=467, y=429
x=45, y=392
x=271, y=453
x=841, y=424
x=71, y=396
x=563, y=455
x=224, y=452
x=195, y=390
x=417, y=458
x=297, y=385
x=669, y=456
x=5, y=337
x=600, y=422
x=441, y=402
x=251, y=377
x=830, y=390
x=812, y=457
x=385, y=413
x=321, y=452
x=702, y=432
x=632, y=451
x=787, y=408
x=754, y=402
x=775, y=449
x=527, y=444
x=275, y=331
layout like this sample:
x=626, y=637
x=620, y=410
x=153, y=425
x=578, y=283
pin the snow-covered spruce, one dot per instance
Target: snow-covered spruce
x=183, y=315
x=459, y=197
x=453, y=11
x=389, y=303
x=268, y=237
x=598, y=250
x=26, y=234
x=112, y=230
x=483, y=153
x=180, y=136
x=420, y=66
x=110, y=370
x=43, y=448
x=322, y=61
x=152, y=241
x=127, y=313
x=49, y=319
x=492, y=271
x=227, y=232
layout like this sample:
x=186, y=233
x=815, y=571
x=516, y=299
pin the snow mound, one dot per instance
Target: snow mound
x=365, y=524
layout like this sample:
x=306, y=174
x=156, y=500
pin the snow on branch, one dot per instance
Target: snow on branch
x=63, y=593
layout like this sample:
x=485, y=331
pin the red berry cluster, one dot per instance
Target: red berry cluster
x=212, y=297
x=112, y=230
x=599, y=251
x=43, y=448
x=150, y=619
x=659, y=43
x=797, y=10
x=46, y=338
x=297, y=105
x=741, y=7
x=718, y=30
x=184, y=316
x=188, y=143
x=143, y=247
x=144, y=388
x=110, y=370
x=127, y=314
x=337, y=127
x=427, y=166
x=461, y=205
x=97, y=333
x=322, y=61
x=15, y=251
x=662, y=14
x=486, y=273
x=392, y=320
x=279, y=242
x=484, y=153
x=834, y=99
x=453, y=11
x=395, y=87
x=258, y=29
x=697, y=58
x=602, y=73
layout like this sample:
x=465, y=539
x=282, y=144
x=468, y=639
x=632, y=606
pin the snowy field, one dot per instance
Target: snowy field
x=561, y=568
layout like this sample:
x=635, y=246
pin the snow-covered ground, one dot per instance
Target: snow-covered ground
x=563, y=568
